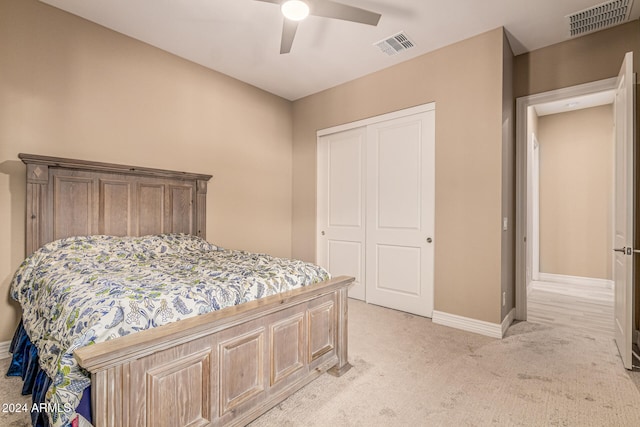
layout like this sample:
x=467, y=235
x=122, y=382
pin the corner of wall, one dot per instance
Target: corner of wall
x=507, y=293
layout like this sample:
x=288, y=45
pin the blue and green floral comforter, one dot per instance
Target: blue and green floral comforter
x=82, y=290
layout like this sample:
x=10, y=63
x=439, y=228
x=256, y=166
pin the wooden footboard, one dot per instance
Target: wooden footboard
x=223, y=368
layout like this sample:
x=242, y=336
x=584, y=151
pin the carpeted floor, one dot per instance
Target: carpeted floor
x=409, y=372
x=10, y=397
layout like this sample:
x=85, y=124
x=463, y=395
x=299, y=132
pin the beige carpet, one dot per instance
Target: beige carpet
x=410, y=372
x=10, y=395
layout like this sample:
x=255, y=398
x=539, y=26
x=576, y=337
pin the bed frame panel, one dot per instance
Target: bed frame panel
x=67, y=197
x=223, y=368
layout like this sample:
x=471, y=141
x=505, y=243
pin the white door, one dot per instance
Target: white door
x=624, y=209
x=400, y=213
x=341, y=210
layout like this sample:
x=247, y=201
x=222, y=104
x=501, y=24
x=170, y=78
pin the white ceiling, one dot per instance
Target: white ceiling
x=241, y=38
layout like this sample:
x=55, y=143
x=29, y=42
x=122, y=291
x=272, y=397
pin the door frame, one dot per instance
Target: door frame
x=523, y=211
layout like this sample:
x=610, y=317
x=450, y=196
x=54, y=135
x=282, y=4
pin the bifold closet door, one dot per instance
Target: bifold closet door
x=400, y=201
x=341, y=210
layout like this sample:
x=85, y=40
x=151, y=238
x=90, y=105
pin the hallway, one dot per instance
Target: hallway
x=571, y=305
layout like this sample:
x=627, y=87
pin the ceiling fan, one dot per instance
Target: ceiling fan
x=295, y=11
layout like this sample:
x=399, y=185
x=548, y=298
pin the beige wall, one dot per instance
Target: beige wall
x=584, y=59
x=70, y=88
x=576, y=181
x=466, y=82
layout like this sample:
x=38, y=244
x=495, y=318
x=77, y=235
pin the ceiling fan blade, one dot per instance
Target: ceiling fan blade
x=271, y=1
x=288, y=33
x=331, y=9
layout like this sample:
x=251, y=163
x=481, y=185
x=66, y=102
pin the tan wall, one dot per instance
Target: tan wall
x=70, y=88
x=576, y=181
x=584, y=59
x=465, y=81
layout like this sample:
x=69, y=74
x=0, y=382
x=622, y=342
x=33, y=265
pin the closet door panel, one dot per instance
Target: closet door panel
x=400, y=213
x=346, y=258
x=345, y=183
x=398, y=269
x=341, y=209
x=398, y=178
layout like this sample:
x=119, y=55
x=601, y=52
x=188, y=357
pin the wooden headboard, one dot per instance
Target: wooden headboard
x=67, y=197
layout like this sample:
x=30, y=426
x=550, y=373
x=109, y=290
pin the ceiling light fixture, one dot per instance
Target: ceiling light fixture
x=296, y=10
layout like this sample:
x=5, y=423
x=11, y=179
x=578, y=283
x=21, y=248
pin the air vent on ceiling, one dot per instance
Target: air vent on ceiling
x=395, y=44
x=599, y=17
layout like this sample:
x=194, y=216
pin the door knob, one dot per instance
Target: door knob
x=429, y=240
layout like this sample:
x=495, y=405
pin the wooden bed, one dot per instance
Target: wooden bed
x=223, y=368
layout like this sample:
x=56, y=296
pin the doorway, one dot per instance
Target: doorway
x=570, y=199
x=530, y=267
x=623, y=206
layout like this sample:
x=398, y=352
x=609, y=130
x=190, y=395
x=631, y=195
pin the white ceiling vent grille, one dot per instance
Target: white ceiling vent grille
x=599, y=17
x=395, y=44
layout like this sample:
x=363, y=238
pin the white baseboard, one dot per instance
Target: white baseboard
x=493, y=330
x=576, y=280
x=4, y=349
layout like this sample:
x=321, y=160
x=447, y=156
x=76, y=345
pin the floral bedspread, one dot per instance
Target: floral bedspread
x=81, y=290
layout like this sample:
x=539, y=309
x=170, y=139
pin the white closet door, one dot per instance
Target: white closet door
x=400, y=213
x=341, y=210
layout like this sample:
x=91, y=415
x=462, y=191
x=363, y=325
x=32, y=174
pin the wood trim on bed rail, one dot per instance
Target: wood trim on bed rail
x=107, y=354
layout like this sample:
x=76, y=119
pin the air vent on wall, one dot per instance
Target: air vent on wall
x=599, y=17
x=395, y=44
